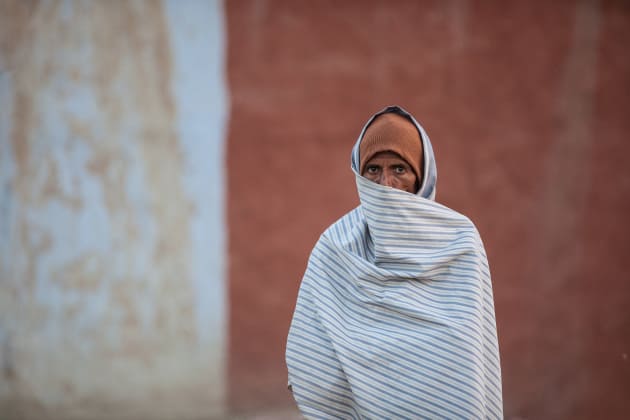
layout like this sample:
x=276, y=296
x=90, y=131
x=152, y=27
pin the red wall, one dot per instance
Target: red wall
x=527, y=110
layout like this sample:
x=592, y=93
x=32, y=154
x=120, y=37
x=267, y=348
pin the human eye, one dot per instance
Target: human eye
x=400, y=169
x=372, y=169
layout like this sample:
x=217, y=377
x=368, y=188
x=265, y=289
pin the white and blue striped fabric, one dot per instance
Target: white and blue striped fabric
x=395, y=315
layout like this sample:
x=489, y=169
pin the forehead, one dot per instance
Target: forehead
x=387, y=157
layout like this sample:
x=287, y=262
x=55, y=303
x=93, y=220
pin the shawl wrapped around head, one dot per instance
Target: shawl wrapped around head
x=395, y=314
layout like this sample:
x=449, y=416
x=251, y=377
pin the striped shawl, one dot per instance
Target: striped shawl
x=395, y=315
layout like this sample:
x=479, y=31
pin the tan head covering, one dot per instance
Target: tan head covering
x=391, y=132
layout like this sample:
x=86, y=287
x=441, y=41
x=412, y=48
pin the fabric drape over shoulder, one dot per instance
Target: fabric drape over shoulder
x=395, y=314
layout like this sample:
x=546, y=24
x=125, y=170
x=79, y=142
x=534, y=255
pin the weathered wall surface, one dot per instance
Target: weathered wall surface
x=112, y=296
x=526, y=105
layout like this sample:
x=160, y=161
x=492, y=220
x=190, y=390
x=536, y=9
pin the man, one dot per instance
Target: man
x=395, y=315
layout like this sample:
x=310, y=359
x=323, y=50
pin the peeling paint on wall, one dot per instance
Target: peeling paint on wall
x=111, y=214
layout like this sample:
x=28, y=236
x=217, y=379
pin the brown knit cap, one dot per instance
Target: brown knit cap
x=391, y=132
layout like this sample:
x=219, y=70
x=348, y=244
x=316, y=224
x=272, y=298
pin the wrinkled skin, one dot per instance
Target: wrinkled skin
x=389, y=169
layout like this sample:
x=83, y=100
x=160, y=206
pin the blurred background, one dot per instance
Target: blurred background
x=167, y=166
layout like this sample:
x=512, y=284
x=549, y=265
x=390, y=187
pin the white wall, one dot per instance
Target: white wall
x=112, y=237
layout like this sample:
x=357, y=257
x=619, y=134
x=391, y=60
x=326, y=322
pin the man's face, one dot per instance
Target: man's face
x=389, y=169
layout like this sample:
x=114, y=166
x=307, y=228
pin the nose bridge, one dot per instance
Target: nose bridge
x=387, y=178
